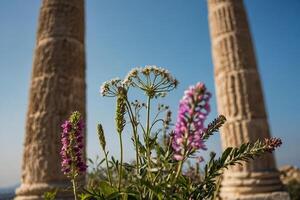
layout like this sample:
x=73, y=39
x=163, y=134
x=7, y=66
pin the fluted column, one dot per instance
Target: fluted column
x=57, y=89
x=240, y=99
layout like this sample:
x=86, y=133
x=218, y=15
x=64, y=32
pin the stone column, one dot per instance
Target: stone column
x=57, y=89
x=240, y=99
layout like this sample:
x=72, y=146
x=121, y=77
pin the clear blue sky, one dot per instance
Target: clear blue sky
x=170, y=33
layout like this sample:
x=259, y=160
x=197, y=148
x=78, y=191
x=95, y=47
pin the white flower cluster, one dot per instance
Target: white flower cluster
x=155, y=81
x=110, y=88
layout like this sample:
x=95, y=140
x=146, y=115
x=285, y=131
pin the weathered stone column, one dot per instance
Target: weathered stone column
x=240, y=99
x=57, y=89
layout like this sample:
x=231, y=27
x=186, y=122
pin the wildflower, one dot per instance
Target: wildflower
x=112, y=87
x=120, y=124
x=167, y=119
x=121, y=110
x=193, y=110
x=101, y=136
x=131, y=75
x=272, y=143
x=72, y=146
x=154, y=81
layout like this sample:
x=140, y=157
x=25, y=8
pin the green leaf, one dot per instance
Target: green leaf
x=225, y=154
x=50, y=195
x=91, y=161
x=106, y=188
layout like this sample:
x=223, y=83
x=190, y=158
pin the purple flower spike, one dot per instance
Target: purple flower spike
x=193, y=110
x=72, y=146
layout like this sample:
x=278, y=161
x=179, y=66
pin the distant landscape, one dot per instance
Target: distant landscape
x=8, y=193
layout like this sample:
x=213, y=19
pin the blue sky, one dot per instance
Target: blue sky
x=170, y=33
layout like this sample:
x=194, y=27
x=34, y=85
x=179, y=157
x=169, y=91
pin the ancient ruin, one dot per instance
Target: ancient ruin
x=240, y=99
x=57, y=89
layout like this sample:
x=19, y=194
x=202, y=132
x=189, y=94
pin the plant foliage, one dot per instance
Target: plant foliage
x=163, y=152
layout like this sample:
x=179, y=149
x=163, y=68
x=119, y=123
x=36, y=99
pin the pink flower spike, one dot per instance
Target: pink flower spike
x=178, y=157
x=72, y=146
x=193, y=110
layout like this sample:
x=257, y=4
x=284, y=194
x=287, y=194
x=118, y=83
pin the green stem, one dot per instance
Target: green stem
x=218, y=185
x=148, y=117
x=185, y=153
x=134, y=128
x=137, y=154
x=108, y=171
x=73, y=167
x=148, y=150
x=121, y=162
x=74, y=188
x=178, y=169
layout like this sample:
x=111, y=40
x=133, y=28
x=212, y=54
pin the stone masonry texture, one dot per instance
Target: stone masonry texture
x=57, y=88
x=240, y=99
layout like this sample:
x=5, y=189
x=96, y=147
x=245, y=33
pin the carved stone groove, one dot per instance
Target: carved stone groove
x=57, y=89
x=240, y=99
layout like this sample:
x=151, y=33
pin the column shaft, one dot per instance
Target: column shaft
x=240, y=99
x=57, y=89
